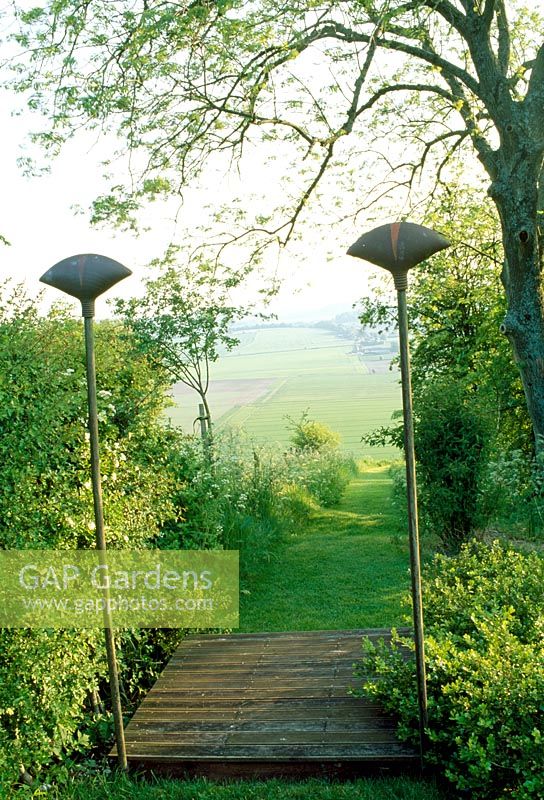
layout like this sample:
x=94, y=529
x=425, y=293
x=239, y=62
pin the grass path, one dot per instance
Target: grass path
x=341, y=570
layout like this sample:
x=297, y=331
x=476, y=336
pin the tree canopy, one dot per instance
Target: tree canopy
x=180, y=82
x=183, y=84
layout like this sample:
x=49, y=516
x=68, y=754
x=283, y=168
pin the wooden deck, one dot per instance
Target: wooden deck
x=264, y=705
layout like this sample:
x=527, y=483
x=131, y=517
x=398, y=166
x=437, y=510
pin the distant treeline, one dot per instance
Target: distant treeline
x=346, y=325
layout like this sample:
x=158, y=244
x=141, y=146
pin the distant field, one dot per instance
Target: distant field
x=283, y=371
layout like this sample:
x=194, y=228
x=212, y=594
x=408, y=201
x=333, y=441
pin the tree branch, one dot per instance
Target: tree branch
x=483, y=148
x=488, y=12
x=335, y=30
x=448, y=12
x=503, y=54
x=534, y=99
x=405, y=87
x=309, y=190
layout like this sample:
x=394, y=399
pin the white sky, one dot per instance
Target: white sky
x=36, y=218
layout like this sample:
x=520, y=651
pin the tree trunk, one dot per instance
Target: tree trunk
x=207, y=413
x=207, y=439
x=517, y=202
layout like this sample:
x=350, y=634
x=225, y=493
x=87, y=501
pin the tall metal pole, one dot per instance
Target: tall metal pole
x=100, y=535
x=413, y=530
x=398, y=247
x=86, y=276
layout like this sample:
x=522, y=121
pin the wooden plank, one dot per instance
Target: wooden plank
x=322, y=648
x=172, y=726
x=160, y=737
x=279, y=704
x=261, y=652
x=269, y=656
x=270, y=677
x=305, y=752
x=237, y=688
x=267, y=666
x=366, y=717
x=339, y=723
x=269, y=662
x=289, y=635
x=248, y=712
x=261, y=726
x=267, y=683
x=328, y=688
x=244, y=769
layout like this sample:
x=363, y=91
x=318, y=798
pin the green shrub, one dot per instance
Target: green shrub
x=513, y=493
x=46, y=676
x=45, y=679
x=315, y=463
x=307, y=434
x=484, y=618
x=450, y=436
x=228, y=497
x=324, y=473
x=298, y=504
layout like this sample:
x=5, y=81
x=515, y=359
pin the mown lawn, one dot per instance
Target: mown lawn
x=125, y=789
x=343, y=570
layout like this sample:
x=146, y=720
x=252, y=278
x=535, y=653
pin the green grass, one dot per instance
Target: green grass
x=283, y=371
x=341, y=570
x=126, y=789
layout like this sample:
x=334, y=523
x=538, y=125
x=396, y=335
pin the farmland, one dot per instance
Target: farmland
x=280, y=372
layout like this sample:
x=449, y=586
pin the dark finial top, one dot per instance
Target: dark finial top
x=397, y=247
x=85, y=277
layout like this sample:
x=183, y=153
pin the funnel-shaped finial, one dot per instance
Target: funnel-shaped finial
x=397, y=247
x=85, y=277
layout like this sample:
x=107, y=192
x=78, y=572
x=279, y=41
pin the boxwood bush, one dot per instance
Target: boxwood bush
x=484, y=617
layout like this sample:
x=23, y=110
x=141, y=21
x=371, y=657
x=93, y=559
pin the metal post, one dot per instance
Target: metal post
x=101, y=540
x=413, y=532
x=398, y=247
x=87, y=276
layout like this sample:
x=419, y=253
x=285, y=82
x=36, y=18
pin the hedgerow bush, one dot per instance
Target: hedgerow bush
x=484, y=619
x=324, y=473
x=314, y=462
x=229, y=496
x=451, y=433
x=452, y=438
x=241, y=496
x=513, y=493
x=47, y=676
